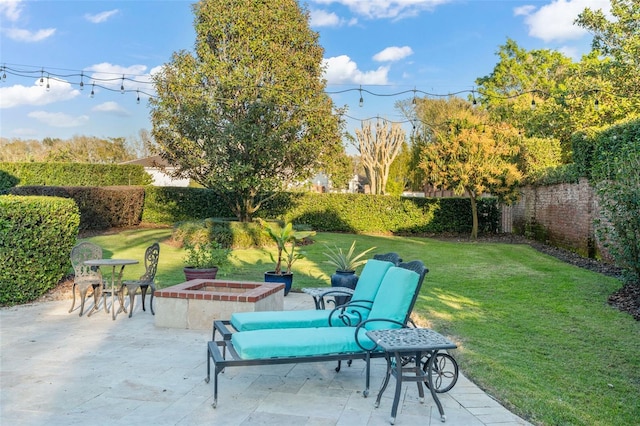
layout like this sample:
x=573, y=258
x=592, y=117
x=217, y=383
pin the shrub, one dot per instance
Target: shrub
x=76, y=174
x=36, y=238
x=100, y=207
x=619, y=200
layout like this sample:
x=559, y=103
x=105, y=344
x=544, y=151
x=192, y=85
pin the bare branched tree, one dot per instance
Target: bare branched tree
x=377, y=151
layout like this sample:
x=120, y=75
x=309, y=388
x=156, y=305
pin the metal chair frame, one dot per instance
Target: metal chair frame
x=151, y=256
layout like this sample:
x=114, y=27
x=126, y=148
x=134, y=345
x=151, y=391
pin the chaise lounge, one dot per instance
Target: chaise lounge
x=357, y=308
x=391, y=308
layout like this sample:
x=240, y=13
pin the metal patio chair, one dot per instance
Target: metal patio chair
x=85, y=276
x=151, y=256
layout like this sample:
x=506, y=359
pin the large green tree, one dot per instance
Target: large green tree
x=618, y=39
x=245, y=114
x=547, y=95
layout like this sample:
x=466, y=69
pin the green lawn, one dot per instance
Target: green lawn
x=532, y=331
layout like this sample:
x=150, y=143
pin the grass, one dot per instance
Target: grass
x=532, y=331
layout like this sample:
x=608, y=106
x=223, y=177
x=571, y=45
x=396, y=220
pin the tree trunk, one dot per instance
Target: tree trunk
x=474, y=213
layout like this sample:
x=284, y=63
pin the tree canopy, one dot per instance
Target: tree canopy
x=245, y=114
x=467, y=153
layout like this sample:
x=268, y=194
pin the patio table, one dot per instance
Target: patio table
x=319, y=293
x=403, y=343
x=113, y=263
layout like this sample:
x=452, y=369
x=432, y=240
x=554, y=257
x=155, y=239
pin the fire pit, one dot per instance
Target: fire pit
x=196, y=304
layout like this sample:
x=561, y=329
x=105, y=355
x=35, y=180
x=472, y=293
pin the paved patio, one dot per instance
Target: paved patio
x=59, y=369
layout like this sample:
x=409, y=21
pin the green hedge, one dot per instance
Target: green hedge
x=614, y=144
x=72, y=174
x=36, y=237
x=332, y=212
x=100, y=207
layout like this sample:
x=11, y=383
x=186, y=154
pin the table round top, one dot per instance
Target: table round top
x=110, y=262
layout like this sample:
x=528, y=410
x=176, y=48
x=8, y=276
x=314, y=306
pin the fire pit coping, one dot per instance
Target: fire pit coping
x=196, y=289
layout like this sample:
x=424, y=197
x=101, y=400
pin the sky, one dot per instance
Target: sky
x=55, y=53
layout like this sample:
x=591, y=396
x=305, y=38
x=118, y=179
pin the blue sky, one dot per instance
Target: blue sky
x=382, y=46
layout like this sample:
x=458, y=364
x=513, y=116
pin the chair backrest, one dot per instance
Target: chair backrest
x=151, y=256
x=79, y=254
x=389, y=257
x=370, y=279
x=397, y=295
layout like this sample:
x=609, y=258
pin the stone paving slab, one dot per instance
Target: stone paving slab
x=60, y=369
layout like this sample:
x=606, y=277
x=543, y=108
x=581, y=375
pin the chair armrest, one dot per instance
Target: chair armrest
x=364, y=323
x=339, y=311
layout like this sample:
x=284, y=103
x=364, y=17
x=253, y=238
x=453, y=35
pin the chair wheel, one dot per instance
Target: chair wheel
x=206, y=380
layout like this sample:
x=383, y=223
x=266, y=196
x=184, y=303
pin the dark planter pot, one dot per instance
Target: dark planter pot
x=286, y=279
x=344, y=279
x=200, y=273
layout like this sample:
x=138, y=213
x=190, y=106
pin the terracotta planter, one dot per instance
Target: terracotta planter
x=191, y=273
x=286, y=279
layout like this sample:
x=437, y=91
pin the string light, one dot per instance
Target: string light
x=48, y=87
x=104, y=81
x=138, y=98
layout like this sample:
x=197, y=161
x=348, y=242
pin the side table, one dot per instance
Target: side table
x=113, y=263
x=319, y=293
x=413, y=343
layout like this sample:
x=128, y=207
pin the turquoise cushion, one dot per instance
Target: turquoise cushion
x=368, y=283
x=245, y=321
x=394, y=297
x=298, y=342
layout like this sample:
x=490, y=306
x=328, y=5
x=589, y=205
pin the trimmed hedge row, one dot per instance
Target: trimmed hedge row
x=332, y=212
x=36, y=238
x=72, y=174
x=100, y=207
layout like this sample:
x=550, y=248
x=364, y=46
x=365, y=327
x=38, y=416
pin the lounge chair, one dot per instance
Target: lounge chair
x=391, y=308
x=358, y=307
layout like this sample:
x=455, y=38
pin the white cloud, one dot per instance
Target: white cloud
x=393, y=53
x=10, y=9
x=341, y=70
x=523, y=10
x=17, y=95
x=110, y=75
x=59, y=119
x=20, y=34
x=321, y=18
x=554, y=21
x=111, y=108
x=394, y=9
x=101, y=17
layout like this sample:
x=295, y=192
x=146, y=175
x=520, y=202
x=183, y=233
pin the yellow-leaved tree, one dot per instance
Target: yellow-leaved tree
x=469, y=155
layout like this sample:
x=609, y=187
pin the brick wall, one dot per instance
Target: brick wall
x=561, y=215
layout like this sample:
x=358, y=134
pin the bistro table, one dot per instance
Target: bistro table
x=319, y=293
x=403, y=343
x=113, y=263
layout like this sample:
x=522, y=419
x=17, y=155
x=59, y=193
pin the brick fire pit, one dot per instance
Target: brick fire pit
x=196, y=304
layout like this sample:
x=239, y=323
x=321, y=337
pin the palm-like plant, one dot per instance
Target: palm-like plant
x=346, y=261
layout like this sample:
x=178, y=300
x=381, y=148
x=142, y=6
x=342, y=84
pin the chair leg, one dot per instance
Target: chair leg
x=143, y=290
x=132, y=297
x=73, y=290
x=153, y=290
x=83, y=296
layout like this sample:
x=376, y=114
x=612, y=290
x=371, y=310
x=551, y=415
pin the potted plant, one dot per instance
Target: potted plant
x=345, y=263
x=204, y=259
x=285, y=238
